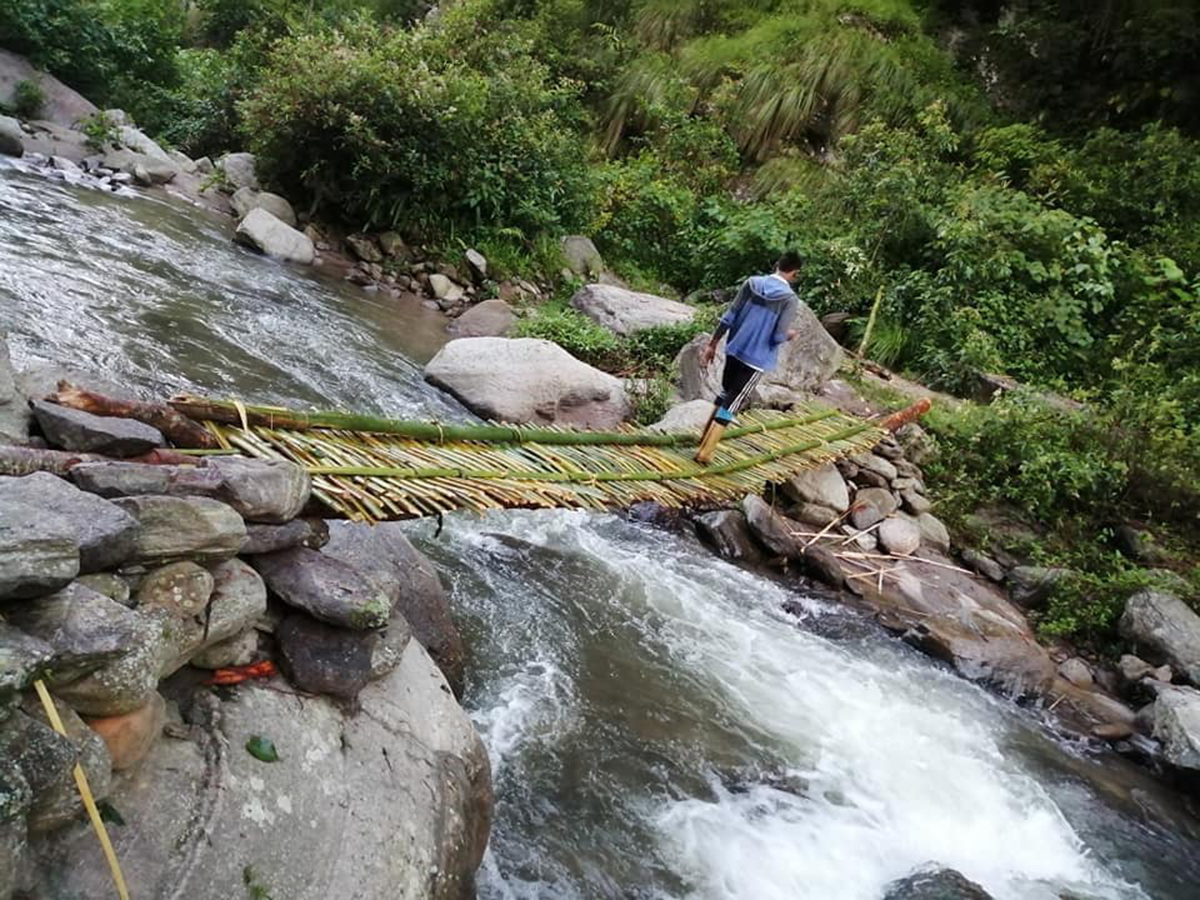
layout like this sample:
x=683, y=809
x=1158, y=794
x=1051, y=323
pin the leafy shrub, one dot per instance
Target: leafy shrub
x=100, y=130
x=397, y=129
x=28, y=99
x=574, y=332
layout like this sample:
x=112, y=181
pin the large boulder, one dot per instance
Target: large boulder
x=686, y=418
x=727, y=531
x=246, y=199
x=627, y=312
x=582, y=257
x=181, y=527
x=138, y=141
x=12, y=137
x=324, y=587
x=526, y=380
x=491, y=318
x=83, y=432
x=393, y=802
x=1175, y=719
x=264, y=232
x=805, y=363
x=238, y=170
x=383, y=554
x=104, y=533
x=60, y=104
x=1165, y=629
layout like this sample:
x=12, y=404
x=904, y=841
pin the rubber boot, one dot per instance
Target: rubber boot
x=712, y=438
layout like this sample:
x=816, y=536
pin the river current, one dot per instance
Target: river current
x=658, y=727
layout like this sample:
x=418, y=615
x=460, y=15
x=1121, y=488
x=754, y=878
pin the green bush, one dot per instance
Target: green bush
x=397, y=129
x=574, y=332
x=28, y=99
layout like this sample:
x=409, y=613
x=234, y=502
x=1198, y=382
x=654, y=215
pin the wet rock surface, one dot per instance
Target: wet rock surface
x=326, y=588
x=71, y=429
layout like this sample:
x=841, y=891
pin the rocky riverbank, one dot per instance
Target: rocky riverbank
x=155, y=596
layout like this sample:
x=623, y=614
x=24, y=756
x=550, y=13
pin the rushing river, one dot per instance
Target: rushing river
x=658, y=728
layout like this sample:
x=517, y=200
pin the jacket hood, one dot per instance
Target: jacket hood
x=770, y=290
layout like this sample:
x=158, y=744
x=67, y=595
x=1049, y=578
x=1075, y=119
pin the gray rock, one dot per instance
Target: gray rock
x=246, y=199
x=478, y=264
x=239, y=650
x=813, y=514
x=1031, y=586
x=23, y=659
x=444, y=289
x=393, y=245
x=204, y=166
x=879, y=498
x=863, y=516
x=627, y=312
x=12, y=137
x=384, y=556
x=129, y=479
x=322, y=659
x=729, y=533
x=899, y=536
x=1076, y=671
x=686, y=418
x=37, y=553
x=111, y=586
x=140, y=142
x=872, y=462
x=1176, y=725
x=239, y=598
x=41, y=380
x=145, y=169
x=86, y=629
x=311, y=533
x=104, y=533
x=177, y=595
x=936, y=884
x=491, y=318
x=260, y=490
x=582, y=257
x=1132, y=668
x=47, y=761
x=13, y=836
x=528, y=380
x=60, y=104
x=263, y=232
x=823, y=485
x=81, y=432
x=984, y=565
x=238, y=170
x=326, y=588
x=914, y=502
x=933, y=532
x=394, y=802
x=1164, y=627
x=178, y=527
x=183, y=162
x=388, y=652
x=364, y=247
x=774, y=531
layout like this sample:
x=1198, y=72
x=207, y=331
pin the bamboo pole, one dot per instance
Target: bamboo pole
x=435, y=432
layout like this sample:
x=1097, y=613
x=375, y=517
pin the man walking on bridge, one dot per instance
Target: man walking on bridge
x=758, y=323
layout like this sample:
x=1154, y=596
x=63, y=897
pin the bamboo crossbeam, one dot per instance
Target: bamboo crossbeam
x=278, y=418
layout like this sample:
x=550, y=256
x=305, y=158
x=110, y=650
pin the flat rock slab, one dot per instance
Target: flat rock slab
x=628, y=312
x=1176, y=722
x=393, y=802
x=37, y=554
x=324, y=587
x=491, y=318
x=686, y=418
x=246, y=199
x=130, y=479
x=311, y=533
x=85, y=629
x=82, y=432
x=528, y=380
x=383, y=554
x=104, y=533
x=178, y=527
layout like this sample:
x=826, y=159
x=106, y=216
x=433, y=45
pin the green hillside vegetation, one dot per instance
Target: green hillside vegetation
x=1022, y=187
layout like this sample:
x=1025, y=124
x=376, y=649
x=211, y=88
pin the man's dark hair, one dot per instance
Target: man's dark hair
x=790, y=261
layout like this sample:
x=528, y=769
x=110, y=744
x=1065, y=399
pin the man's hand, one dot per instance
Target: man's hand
x=792, y=334
x=707, y=354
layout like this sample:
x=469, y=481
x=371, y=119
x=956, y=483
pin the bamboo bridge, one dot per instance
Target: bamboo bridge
x=375, y=469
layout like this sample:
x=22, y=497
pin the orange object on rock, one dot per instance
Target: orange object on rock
x=238, y=674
